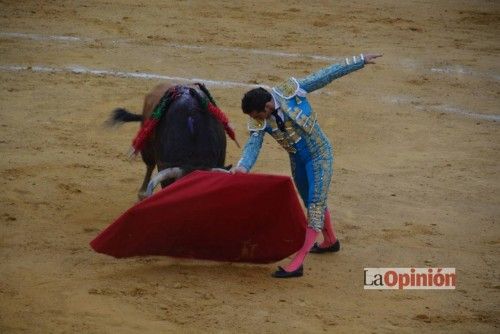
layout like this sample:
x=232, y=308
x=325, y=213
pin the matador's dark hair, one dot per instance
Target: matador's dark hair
x=255, y=100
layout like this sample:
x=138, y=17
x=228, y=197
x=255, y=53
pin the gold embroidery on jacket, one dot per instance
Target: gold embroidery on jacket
x=286, y=139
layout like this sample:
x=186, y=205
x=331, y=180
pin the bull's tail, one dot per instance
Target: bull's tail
x=121, y=115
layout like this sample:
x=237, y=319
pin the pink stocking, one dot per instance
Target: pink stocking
x=329, y=237
x=311, y=235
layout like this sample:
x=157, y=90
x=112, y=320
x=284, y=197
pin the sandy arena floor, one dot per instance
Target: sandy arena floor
x=416, y=179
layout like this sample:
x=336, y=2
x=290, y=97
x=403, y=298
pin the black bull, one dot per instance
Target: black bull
x=187, y=136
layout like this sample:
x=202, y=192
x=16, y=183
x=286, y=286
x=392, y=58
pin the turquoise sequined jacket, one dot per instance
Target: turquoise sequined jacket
x=299, y=117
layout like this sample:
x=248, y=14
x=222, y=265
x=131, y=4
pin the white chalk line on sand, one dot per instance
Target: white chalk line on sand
x=456, y=110
x=37, y=37
x=443, y=108
x=77, y=69
x=405, y=63
x=459, y=70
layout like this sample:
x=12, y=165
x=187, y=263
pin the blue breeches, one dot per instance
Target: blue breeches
x=312, y=178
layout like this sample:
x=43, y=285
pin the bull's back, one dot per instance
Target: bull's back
x=189, y=137
x=153, y=98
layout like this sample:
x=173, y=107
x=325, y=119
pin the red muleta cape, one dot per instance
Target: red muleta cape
x=239, y=217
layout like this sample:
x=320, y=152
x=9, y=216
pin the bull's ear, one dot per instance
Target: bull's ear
x=228, y=167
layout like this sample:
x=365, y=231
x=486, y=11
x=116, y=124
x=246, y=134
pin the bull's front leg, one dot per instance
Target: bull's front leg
x=148, y=157
x=147, y=153
x=142, y=191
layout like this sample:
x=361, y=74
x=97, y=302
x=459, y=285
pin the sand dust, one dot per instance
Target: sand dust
x=416, y=179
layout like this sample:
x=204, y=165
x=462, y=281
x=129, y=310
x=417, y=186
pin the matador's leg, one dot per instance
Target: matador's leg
x=330, y=242
x=329, y=237
x=303, y=177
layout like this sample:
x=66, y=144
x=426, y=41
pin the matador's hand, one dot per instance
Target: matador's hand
x=369, y=58
x=238, y=169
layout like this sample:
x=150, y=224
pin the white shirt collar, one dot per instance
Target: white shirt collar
x=277, y=106
x=276, y=103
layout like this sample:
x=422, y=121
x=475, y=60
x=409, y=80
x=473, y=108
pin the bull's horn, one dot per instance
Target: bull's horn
x=220, y=170
x=169, y=173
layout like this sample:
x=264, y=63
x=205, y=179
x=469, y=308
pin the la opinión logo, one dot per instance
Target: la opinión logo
x=409, y=278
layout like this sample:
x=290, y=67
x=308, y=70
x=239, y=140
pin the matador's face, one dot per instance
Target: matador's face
x=263, y=114
x=258, y=115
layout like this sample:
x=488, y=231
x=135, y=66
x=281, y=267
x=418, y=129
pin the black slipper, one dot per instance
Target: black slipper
x=330, y=249
x=282, y=273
